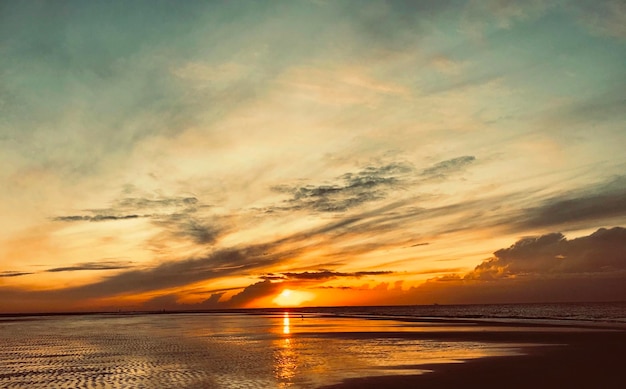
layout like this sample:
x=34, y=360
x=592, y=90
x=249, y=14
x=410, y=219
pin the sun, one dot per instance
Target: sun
x=292, y=298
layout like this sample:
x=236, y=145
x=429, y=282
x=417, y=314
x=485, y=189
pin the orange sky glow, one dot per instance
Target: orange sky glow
x=208, y=155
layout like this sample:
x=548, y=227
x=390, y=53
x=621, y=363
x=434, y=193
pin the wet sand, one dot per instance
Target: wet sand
x=569, y=359
x=209, y=351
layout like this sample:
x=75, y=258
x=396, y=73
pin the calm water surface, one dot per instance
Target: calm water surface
x=281, y=350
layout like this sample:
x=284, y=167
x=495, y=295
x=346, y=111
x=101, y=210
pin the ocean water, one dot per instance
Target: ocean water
x=299, y=348
x=609, y=313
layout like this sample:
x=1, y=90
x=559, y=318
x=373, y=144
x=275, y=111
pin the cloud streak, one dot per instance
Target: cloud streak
x=605, y=201
x=7, y=274
x=96, y=218
x=324, y=275
x=352, y=190
x=105, y=265
x=443, y=169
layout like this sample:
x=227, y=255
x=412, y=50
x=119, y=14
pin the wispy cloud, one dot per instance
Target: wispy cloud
x=443, y=169
x=351, y=190
x=607, y=18
x=13, y=274
x=180, y=273
x=607, y=200
x=324, y=275
x=95, y=218
x=104, y=265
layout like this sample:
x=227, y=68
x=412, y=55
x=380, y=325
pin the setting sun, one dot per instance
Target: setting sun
x=292, y=298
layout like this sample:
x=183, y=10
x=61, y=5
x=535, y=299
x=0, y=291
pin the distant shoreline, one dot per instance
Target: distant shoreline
x=418, y=313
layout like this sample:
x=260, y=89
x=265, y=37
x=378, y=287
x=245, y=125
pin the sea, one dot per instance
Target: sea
x=266, y=348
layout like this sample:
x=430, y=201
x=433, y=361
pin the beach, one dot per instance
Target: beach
x=301, y=349
x=564, y=360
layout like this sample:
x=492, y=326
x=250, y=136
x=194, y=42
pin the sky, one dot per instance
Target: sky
x=221, y=154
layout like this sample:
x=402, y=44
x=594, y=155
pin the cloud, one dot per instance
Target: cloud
x=145, y=203
x=443, y=169
x=217, y=264
x=351, y=190
x=215, y=301
x=95, y=218
x=253, y=292
x=164, y=302
x=327, y=274
x=546, y=268
x=111, y=265
x=605, y=201
x=13, y=274
x=604, y=251
x=122, y=207
x=606, y=18
x=200, y=233
x=177, y=216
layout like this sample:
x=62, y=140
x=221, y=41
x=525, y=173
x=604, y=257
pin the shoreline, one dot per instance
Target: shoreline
x=589, y=359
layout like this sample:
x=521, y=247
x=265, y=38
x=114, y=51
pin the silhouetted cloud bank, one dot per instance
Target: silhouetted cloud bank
x=542, y=268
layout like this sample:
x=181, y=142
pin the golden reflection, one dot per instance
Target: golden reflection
x=285, y=358
x=286, y=329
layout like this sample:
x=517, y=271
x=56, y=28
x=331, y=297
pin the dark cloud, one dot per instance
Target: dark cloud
x=173, y=274
x=443, y=169
x=215, y=301
x=129, y=208
x=552, y=254
x=92, y=266
x=327, y=274
x=200, y=233
x=167, y=275
x=176, y=215
x=144, y=203
x=13, y=274
x=321, y=275
x=605, y=201
x=253, y=292
x=272, y=277
x=336, y=287
x=164, y=302
x=547, y=268
x=351, y=190
x=95, y=218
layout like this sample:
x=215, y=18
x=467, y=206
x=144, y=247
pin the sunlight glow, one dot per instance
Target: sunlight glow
x=290, y=298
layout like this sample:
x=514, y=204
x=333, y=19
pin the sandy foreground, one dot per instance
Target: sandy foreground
x=569, y=359
x=208, y=351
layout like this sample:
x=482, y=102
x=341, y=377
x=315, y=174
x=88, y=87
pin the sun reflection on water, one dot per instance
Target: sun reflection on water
x=286, y=329
x=285, y=358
